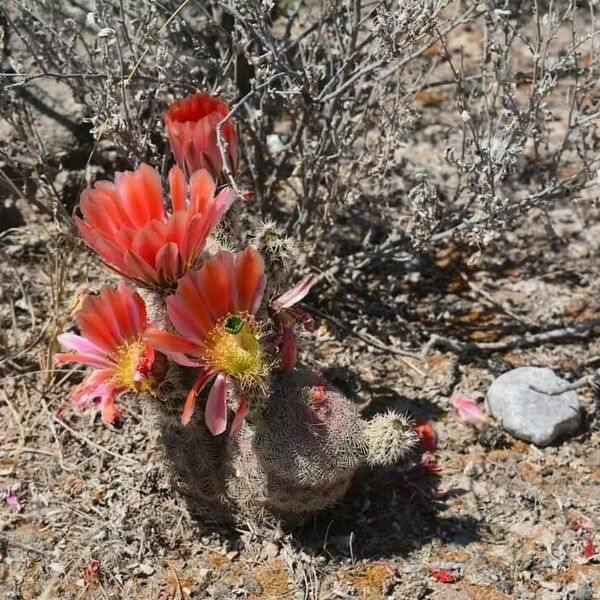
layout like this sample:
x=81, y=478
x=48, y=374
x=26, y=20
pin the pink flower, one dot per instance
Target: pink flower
x=286, y=316
x=192, y=129
x=468, y=411
x=213, y=313
x=112, y=325
x=125, y=222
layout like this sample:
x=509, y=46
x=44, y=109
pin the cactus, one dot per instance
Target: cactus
x=389, y=437
x=294, y=456
x=208, y=340
x=278, y=251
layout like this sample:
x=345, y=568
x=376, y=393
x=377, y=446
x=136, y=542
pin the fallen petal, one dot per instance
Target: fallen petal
x=444, y=576
x=190, y=402
x=589, y=549
x=11, y=498
x=468, y=411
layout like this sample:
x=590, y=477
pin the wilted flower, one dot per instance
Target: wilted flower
x=112, y=325
x=192, y=129
x=91, y=571
x=213, y=312
x=125, y=222
x=286, y=316
x=427, y=435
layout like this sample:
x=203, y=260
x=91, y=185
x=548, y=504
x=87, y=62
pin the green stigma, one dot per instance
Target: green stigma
x=233, y=324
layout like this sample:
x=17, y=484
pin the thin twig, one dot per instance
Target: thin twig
x=566, y=387
x=371, y=340
x=525, y=341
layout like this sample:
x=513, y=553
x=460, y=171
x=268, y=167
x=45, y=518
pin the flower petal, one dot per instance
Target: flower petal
x=91, y=388
x=303, y=317
x=250, y=278
x=140, y=270
x=240, y=415
x=170, y=343
x=297, y=293
x=190, y=402
x=177, y=187
x=167, y=262
x=215, y=413
x=202, y=191
x=288, y=352
x=80, y=344
x=426, y=432
x=140, y=194
x=107, y=405
x=191, y=322
x=108, y=250
x=85, y=359
x=467, y=410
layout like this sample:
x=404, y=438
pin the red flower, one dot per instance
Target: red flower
x=126, y=224
x=112, y=326
x=192, y=129
x=213, y=312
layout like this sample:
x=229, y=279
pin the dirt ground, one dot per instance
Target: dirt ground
x=88, y=511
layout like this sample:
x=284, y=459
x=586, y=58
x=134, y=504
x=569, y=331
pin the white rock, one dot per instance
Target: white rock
x=531, y=415
x=146, y=569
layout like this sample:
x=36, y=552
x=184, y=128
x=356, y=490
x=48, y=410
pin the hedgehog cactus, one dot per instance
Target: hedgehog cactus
x=209, y=344
x=295, y=455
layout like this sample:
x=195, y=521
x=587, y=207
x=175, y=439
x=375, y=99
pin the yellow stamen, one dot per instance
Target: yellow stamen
x=133, y=370
x=235, y=350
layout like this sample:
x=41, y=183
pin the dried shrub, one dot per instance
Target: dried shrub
x=332, y=96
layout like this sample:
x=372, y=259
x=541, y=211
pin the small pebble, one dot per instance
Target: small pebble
x=204, y=576
x=270, y=550
x=584, y=591
x=146, y=569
